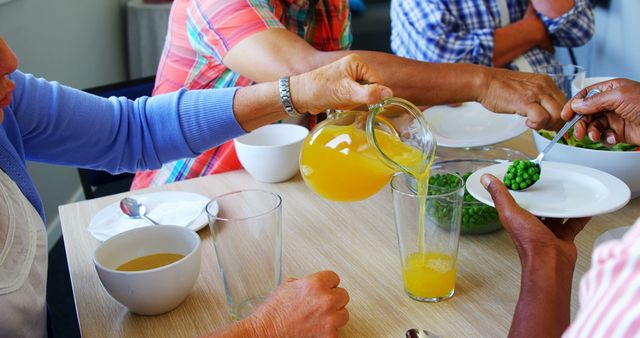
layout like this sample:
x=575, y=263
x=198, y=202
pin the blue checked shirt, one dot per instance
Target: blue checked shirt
x=462, y=30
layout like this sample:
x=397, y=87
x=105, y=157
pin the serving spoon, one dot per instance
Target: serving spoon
x=134, y=209
x=562, y=131
x=536, y=162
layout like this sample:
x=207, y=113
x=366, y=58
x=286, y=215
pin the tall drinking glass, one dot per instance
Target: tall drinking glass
x=247, y=234
x=428, y=228
x=565, y=76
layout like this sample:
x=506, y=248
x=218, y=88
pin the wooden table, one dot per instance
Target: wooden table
x=357, y=240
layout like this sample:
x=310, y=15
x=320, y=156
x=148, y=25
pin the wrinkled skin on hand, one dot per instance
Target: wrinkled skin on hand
x=534, y=96
x=343, y=84
x=313, y=306
x=612, y=116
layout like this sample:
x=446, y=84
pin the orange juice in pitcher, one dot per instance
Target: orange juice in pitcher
x=353, y=154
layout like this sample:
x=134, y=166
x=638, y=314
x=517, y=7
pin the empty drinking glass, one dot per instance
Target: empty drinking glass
x=246, y=227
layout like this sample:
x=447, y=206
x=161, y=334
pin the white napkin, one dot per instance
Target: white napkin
x=111, y=221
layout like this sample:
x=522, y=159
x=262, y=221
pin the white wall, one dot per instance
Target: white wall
x=615, y=47
x=80, y=43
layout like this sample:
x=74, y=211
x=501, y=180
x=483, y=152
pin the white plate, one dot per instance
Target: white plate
x=472, y=125
x=111, y=221
x=563, y=191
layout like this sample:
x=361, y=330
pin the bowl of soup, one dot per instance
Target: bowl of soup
x=149, y=270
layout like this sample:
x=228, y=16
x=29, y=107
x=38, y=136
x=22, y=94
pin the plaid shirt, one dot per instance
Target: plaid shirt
x=200, y=34
x=462, y=30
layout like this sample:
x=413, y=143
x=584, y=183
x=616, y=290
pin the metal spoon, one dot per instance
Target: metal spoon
x=416, y=333
x=562, y=131
x=559, y=135
x=134, y=209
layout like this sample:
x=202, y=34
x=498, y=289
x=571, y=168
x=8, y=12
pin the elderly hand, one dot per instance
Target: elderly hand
x=313, y=306
x=337, y=85
x=531, y=236
x=613, y=115
x=535, y=96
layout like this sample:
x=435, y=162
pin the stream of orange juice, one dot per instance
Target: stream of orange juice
x=336, y=154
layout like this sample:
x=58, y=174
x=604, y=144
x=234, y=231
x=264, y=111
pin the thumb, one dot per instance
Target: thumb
x=501, y=197
x=369, y=93
x=601, y=102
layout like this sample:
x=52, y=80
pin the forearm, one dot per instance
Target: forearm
x=420, y=82
x=258, y=105
x=516, y=39
x=552, y=8
x=424, y=83
x=543, y=308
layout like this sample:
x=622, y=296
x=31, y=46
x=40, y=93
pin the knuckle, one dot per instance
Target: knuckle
x=326, y=301
x=331, y=275
x=335, y=321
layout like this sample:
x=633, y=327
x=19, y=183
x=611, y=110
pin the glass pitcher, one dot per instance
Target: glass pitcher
x=353, y=154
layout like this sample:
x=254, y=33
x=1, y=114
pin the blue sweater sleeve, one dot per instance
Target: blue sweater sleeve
x=62, y=125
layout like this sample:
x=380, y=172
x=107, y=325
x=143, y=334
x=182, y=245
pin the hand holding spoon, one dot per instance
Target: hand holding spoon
x=522, y=175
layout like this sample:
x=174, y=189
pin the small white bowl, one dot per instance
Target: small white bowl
x=621, y=164
x=154, y=291
x=270, y=153
x=578, y=84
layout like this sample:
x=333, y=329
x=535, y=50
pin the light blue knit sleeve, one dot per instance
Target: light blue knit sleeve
x=62, y=125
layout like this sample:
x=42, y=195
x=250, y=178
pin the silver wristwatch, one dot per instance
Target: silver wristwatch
x=285, y=97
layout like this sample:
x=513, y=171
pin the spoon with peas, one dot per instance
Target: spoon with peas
x=522, y=175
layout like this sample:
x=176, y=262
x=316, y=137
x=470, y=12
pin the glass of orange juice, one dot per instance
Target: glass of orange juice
x=428, y=228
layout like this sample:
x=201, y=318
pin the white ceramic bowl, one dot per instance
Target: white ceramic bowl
x=155, y=291
x=270, y=153
x=621, y=164
x=578, y=84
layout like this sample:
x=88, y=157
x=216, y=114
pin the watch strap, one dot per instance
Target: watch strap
x=285, y=97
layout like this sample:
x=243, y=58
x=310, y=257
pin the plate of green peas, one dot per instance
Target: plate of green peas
x=563, y=190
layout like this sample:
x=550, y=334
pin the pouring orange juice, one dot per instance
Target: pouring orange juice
x=352, y=155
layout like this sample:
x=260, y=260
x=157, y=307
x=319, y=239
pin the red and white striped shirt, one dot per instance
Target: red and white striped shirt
x=610, y=290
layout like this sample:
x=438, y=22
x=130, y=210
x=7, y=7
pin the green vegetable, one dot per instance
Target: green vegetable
x=570, y=140
x=476, y=217
x=521, y=175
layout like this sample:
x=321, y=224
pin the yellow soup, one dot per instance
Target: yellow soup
x=150, y=262
x=338, y=163
x=429, y=275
